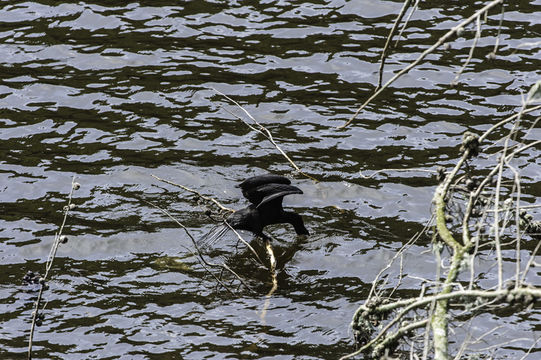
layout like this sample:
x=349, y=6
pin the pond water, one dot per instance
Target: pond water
x=113, y=94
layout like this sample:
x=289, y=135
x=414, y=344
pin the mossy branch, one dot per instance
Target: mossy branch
x=398, y=315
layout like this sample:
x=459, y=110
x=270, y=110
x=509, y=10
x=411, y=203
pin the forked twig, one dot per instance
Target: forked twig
x=389, y=39
x=505, y=121
x=414, y=7
x=382, y=320
x=421, y=57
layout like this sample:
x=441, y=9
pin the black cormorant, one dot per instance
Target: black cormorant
x=266, y=192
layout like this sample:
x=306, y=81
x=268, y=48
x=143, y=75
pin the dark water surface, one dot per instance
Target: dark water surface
x=112, y=94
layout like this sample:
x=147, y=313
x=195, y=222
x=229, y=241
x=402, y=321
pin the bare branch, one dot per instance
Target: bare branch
x=58, y=239
x=206, y=198
x=389, y=39
x=425, y=53
x=200, y=254
x=470, y=55
x=263, y=131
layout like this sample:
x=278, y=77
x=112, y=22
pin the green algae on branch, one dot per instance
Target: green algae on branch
x=172, y=263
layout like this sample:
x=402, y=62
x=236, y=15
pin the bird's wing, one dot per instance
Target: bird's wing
x=259, y=180
x=270, y=192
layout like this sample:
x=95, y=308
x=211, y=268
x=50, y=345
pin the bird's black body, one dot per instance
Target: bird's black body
x=266, y=192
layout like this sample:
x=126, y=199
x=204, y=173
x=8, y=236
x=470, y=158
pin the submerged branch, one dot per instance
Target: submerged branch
x=200, y=254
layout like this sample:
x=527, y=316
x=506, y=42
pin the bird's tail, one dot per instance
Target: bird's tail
x=212, y=237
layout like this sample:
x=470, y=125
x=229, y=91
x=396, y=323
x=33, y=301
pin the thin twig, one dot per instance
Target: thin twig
x=58, y=239
x=531, y=348
x=200, y=254
x=389, y=39
x=495, y=51
x=505, y=121
x=406, y=246
x=517, y=224
x=264, y=131
x=413, y=8
x=206, y=198
x=497, y=192
x=470, y=55
x=244, y=242
x=530, y=262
